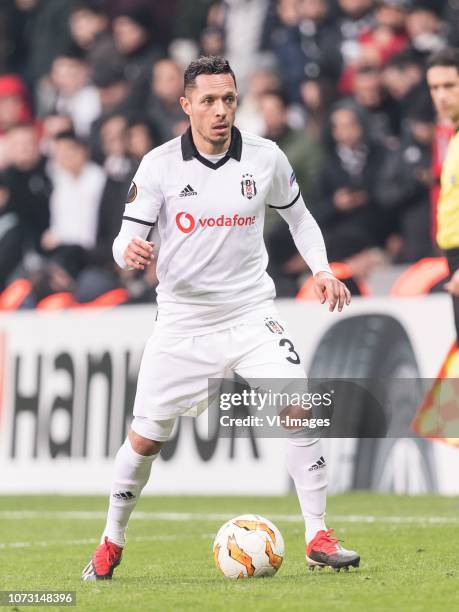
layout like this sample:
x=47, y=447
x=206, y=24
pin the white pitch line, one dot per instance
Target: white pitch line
x=197, y=516
x=83, y=541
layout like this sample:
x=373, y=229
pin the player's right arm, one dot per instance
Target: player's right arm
x=131, y=249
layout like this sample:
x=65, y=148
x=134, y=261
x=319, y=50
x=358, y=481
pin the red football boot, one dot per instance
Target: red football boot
x=106, y=557
x=324, y=551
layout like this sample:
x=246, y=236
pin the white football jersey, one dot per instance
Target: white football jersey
x=212, y=260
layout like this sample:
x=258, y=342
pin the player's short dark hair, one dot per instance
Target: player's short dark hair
x=207, y=64
x=448, y=57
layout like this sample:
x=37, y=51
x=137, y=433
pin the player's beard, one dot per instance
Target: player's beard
x=223, y=141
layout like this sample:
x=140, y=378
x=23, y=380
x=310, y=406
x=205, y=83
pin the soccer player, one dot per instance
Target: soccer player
x=208, y=191
x=443, y=81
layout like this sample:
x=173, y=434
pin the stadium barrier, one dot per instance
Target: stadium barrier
x=67, y=383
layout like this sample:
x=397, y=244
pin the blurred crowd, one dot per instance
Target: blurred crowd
x=87, y=87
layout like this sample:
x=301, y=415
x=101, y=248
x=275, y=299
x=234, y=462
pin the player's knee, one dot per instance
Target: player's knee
x=292, y=416
x=144, y=446
x=148, y=436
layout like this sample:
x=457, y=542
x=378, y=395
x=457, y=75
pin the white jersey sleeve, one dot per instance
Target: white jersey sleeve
x=143, y=204
x=284, y=191
x=286, y=198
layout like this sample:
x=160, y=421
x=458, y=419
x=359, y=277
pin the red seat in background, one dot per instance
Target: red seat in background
x=13, y=296
x=110, y=299
x=65, y=300
x=423, y=277
x=56, y=301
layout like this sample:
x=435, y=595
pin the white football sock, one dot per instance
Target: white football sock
x=307, y=467
x=131, y=474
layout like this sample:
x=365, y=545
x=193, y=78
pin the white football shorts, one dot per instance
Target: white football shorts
x=174, y=372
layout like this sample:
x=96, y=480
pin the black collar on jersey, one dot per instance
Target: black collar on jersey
x=189, y=149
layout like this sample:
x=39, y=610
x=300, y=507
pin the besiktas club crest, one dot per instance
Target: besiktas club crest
x=248, y=186
x=274, y=326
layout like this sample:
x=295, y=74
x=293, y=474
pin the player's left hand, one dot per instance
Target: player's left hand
x=138, y=253
x=453, y=285
x=330, y=289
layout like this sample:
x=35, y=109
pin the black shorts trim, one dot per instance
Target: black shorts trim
x=126, y=218
x=287, y=205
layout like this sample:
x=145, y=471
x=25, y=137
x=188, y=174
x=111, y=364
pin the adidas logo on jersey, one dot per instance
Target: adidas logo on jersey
x=320, y=463
x=188, y=191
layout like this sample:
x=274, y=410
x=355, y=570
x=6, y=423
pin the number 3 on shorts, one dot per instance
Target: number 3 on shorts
x=294, y=358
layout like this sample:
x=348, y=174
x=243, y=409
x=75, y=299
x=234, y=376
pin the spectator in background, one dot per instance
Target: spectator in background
x=137, y=49
x=115, y=92
x=14, y=109
x=10, y=235
x=89, y=29
x=356, y=19
x=387, y=36
x=192, y=19
x=75, y=96
x=316, y=97
x=425, y=28
x=212, y=41
x=284, y=40
x=163, y=14
x=243, y=26
x=451, y=19
x=116, y=98
x=163, y=107
x=377, y=44
x=53, y=124
x=403, y=79
x=308, y=49
x=368, y=93
x=113, y=135
x=142, y=137
x=349, y=184
x=78, y=185
x=318, y=37
x=29, y=185
x=14, y=102
x=248, y=114
x=9, y=31
x=45, y=34
x=408, y=182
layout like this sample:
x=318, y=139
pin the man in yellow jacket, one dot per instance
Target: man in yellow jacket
x=438, y=417
x=443, y=81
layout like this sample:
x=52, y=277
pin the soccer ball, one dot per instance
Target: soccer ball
x=248, y=546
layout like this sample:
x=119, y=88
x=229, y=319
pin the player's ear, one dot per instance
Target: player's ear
x=185, y=104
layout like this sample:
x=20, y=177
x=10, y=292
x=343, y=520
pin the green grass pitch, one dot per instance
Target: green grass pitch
x=408, y=546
